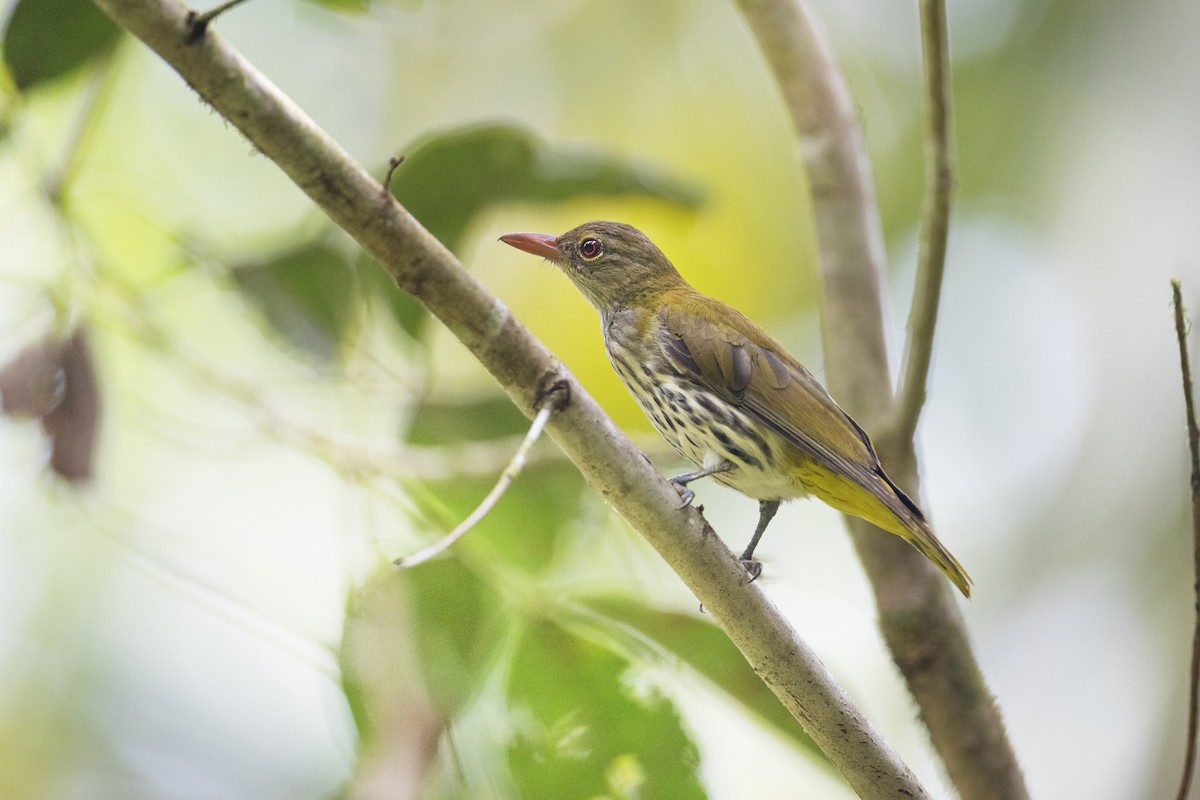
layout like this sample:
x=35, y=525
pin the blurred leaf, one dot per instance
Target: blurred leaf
x=489, y=417
x=405, y=309
x=449, y=178
x=345, y=6
x=705, y=648
x=457, y=624
x=55, y=380
x=306, y=295
x=48, y=39
x=452, y=624
x=398, y=726
x=31, y=384
x=74, y=424
x=586, y=731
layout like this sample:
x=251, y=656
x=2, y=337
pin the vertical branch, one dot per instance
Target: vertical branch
x=935, y=220
x=919, y=620
x=849, y=234
x=1189, y=758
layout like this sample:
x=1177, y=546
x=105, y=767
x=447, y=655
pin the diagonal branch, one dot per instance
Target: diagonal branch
x=920, y=622
x=526, y=371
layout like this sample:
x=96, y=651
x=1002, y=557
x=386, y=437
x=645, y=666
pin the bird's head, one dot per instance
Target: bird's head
x=613, y=264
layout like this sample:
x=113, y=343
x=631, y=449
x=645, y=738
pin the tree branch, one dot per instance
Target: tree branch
x=525, y=370
x=839, y=176
x=935, y=221
x=1189, y=758
x=920, y=622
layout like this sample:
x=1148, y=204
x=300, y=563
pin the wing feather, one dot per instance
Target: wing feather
x=764, y=380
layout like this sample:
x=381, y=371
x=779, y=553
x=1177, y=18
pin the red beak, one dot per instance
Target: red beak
x=539, y=244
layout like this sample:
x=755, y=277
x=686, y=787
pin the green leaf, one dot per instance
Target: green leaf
x=404, y=309
x=345, y=6
x=585, y=730
x=449, y=178
x=306, y=295
x=705, y=648
x=458, y=625
x=48, y=39
x=488, y=417
x=438, y=617
x=376, y=659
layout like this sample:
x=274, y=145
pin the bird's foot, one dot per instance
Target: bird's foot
x=686, y=495
x=753, y=568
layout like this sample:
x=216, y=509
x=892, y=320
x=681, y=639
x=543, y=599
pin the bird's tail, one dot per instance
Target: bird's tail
x=917, y=532
x=923, y=539
x=883, y=504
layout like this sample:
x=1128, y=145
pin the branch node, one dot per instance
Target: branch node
x=553, y=393
x=197, y=24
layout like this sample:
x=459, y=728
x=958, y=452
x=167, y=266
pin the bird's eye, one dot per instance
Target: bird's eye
x=590, y=249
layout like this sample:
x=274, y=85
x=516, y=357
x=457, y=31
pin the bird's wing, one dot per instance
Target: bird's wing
x=726, y=352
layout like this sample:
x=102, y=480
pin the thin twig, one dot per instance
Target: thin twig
x=1189, y=758
x=393, y=163
x=506, y=479
x=935, y=220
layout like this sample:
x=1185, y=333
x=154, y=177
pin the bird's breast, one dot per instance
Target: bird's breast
x=701, y=426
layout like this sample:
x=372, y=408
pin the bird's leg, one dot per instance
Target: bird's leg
x=681, y=481
x=766, y=512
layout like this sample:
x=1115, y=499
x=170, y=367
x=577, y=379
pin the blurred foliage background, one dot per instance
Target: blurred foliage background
x=196, y=599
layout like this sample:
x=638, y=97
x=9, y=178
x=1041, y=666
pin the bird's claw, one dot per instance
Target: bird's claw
x=686, y=495
x=753, y=568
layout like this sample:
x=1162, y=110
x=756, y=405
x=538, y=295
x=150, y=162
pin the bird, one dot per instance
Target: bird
x=727, y=396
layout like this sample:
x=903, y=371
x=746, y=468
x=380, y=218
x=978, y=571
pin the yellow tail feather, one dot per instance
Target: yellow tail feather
x=886, y=506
